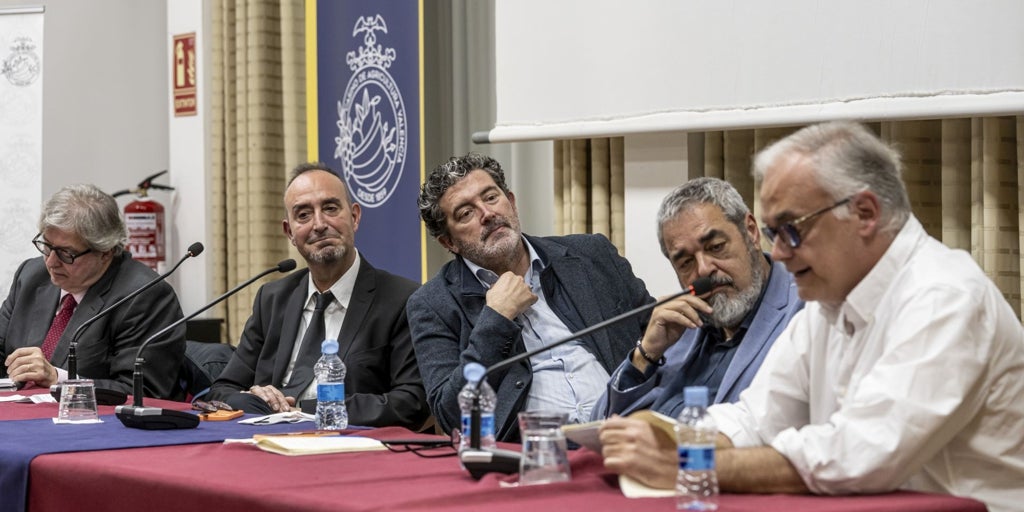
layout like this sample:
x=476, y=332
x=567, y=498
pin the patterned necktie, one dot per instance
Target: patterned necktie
x=60, y=322
x=309, y=352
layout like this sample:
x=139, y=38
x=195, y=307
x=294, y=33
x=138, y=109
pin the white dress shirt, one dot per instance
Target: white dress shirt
x=916, y=381
x=334, y=316
x=567, y=378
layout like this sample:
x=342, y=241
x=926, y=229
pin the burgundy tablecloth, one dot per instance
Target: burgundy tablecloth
x=229, y=478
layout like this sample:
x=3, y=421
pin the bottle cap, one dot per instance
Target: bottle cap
x=473, y=372
x=695, y=395
x=329, y=347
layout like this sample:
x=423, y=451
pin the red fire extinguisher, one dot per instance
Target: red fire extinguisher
x=144, y=221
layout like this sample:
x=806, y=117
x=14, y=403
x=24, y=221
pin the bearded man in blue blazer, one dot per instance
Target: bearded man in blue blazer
x=717, y=340
x=506, y=293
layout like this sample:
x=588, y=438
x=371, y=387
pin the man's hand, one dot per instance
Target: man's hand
x=273, y=397
x=632, y=448
x=510, y=296
x=668, y=321
x=27, y=364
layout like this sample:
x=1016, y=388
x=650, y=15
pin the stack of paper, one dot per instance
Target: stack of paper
x=313, y=445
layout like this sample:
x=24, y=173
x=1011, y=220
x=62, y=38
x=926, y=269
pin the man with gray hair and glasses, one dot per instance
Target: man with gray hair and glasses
x=906, y=368
x=717, y=340
x=83, y=270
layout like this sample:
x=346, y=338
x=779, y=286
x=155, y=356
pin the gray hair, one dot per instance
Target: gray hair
x=700, y=191
x=846, y=159
x=443, y=177
x=89, y=213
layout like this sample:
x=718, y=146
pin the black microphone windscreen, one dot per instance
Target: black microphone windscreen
x=195, y=249
x=702, y=285
x=286, y=266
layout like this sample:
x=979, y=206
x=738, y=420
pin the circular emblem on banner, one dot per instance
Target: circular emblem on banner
x=22, y=67
x=372, y=127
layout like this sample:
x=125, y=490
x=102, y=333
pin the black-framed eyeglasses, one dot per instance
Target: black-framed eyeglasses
x=427, y=448
x=63, y=253
x=788, y=230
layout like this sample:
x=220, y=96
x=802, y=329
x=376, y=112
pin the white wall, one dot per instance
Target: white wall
x=104, y=93
x=188, y=162
x=656, y=163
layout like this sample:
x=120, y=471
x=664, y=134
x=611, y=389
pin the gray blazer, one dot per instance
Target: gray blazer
x=662, y=390
x=585, y=281
x=106, y=349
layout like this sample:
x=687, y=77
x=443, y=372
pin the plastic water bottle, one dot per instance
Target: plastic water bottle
x=330, y=388
x=697, y=482
x=473, y=372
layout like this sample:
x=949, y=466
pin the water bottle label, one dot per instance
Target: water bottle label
x=330, y=392
x=696, y=458
x=486, y=426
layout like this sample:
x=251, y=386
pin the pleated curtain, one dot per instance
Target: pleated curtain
x=257, y=135
x=590, y=187
x=965, y=179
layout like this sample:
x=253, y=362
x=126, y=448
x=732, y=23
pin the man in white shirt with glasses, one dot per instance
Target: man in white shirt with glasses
x=906, y=368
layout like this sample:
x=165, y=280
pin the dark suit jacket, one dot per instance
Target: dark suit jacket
x=106, y=349
x=662, y=390
x=585, y=281
x=382, y=384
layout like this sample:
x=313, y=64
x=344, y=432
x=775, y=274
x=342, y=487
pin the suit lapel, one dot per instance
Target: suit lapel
x=289, y=327
x=358, y=306
x=766, y=321
x=92, y=303
x=569, y=271
x=44, y=307
x=463, y=284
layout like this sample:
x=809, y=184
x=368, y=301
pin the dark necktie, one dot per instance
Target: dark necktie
x=60, y=322
x=309, y=351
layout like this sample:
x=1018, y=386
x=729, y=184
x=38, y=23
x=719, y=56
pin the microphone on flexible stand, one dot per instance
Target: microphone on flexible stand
x=115, y=396
x=156, y=418
x=480, y=461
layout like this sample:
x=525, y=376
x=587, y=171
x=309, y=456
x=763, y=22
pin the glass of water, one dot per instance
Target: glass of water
x=545, y=456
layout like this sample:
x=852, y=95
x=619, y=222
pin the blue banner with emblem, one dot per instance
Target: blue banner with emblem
x=364, y=88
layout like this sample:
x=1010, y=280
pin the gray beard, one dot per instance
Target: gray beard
x=730, y=311
x=327, y=255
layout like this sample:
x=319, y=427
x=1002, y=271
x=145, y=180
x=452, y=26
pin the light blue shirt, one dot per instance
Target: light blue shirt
x=567, y=378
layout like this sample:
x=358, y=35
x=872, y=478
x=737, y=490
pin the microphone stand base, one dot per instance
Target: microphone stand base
x=155, y=418
x=479, y=462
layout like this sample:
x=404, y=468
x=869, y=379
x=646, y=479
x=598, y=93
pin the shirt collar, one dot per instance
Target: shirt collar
x=342, y=288
x=487, y=277
x=858, y=308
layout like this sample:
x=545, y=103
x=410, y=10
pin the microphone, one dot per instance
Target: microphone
x=114, y=396
x=156, y=418
x=480, y=461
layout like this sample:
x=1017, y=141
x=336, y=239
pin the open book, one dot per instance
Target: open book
x=313, y=445
x=586, y=434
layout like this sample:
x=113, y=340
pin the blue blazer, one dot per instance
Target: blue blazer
x=585, y=281
x=663, y=390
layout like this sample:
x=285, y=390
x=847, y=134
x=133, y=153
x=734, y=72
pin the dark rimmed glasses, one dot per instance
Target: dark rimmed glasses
x=427, y=448
x=63, y=253
x=788, y=230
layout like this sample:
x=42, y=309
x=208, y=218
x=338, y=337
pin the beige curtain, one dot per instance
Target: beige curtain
x=965, y=179
x=258, y=134
x=589, y=188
